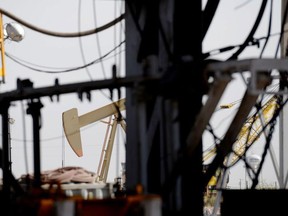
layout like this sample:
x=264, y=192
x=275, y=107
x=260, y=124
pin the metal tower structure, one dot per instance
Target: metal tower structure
x=283, y=144
x=161, y=117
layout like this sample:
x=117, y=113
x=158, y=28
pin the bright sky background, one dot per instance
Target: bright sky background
x=231, y=25
x=62, y=53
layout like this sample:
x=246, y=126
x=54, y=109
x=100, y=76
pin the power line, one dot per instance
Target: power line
x=21, y=62
x=61, y=34
x=252, y=32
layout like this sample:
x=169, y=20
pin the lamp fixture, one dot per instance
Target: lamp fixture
x=14, y=32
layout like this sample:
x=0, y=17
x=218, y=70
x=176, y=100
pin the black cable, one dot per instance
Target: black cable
x=208, y=14
x=268, y=142
x=243, y=4
x=250, y=128
x=49, y=138
x=269, y=29
x=252, y=32
x=98, y=40
x=228, y=48
x=282, y=28
x=65, y=70
x=81, y=44
x=59, y=34
x=217, y=140
x=248, y=134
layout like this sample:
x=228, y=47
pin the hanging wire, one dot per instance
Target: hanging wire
x=50, y=138
x=282, y=29
x=59, y=34
x=98, y=40
x=243, y=4
x=272, y=124
x=63, y=149
x=269, y=29
x=252, y=32
x=255, y=41
x=62, y=70
x=80, y=42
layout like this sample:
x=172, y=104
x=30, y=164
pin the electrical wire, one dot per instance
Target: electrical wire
x=251, y=140
x=272, y=122
x=80, y=42
x=252, y=32
x=282, y=29
x=208, y=14
x=60, y=34
x=248, y=143
x=115, y=74
x=47, y=139
x=115, y=30
x=255, y=41
x=269, y=29
x=243, y=4
x=98, y=40
x=63, y=149
x=117, y=65
x=122, y=8
x=61, y=70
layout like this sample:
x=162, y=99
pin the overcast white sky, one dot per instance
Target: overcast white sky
x=231, y=25
x=62, y=53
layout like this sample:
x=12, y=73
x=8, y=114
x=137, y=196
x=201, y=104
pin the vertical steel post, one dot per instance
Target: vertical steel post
x=2, y=49
x=188, y=53
x=34, y=110
x=5, y=152
x=283, y=127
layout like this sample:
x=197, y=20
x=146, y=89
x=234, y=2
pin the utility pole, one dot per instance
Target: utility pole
x=188, y=50
x=148, y=31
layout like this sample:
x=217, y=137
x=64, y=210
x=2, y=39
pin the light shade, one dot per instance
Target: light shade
x=14, y=31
